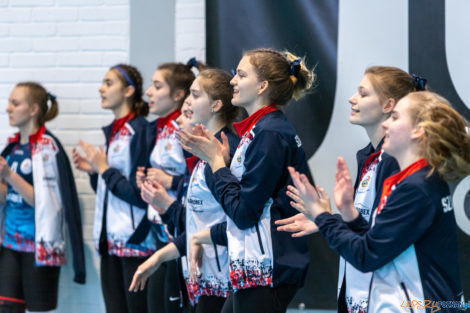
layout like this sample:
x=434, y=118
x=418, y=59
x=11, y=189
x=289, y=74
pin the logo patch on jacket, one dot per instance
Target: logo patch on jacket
x=447, y=204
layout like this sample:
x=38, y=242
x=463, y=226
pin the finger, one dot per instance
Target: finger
x=294, y=190
x=101, y=150
x=135, y=282
x=294, y=175
x=323, y=193
x=308, y=187
x=285, y=221
x=225, y=142
x=294, y=197
x=302, y=233
x=298, y=207
x=289, y=228
x=185, y=147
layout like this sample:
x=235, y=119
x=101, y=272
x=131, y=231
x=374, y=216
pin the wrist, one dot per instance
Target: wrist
x=217, y=163
x=351, y=215
x=168, y=181
x=103, y=168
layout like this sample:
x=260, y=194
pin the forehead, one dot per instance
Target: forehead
x=159, y=76
x=19, y=93
x=366, y=83
x=111, y=75
x=196, y=83
x=245, y=64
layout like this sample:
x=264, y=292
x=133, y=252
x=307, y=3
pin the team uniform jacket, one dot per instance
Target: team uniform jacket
x=120, y=226
x=253, y=195
x=411, y=244
x=374, y=166
x=55, y=201
x=167, y=155
x=202, y=212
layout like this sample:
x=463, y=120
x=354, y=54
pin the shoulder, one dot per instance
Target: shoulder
x=54, y=139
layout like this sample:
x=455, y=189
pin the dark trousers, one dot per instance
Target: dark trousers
x=260, y=300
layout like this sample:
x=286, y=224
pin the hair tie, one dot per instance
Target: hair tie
x=419, y=82
x=295, y=67
x=51, y=96
x=193, y=62
x=126, y=77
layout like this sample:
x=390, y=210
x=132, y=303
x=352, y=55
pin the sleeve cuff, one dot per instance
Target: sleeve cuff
x=219, y=234
x=358, y=224
x=180, y=243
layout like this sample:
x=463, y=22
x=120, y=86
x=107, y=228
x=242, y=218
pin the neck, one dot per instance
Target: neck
x=121, y=111
x=255, y=106
x=26, y=131
x=214, y=125
x=375, y=133
x=407, y=158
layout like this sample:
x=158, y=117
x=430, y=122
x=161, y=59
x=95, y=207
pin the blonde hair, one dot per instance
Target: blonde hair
x=275, y=67
x=446, y=143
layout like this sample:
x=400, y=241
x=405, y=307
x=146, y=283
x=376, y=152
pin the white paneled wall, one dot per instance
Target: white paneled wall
x=68, y=45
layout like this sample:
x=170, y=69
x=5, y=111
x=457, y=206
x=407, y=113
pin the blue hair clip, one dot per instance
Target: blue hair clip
x=51, y=96
x=419, y=82
x=192, y=62
x=126, y=77
x=233, y=72
x=295, y=67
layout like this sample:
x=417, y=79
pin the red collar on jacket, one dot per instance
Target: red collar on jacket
x=248, y=123
x=33, y=138
x=191, y=163
x=120, y=122
x=164, y=121
x=390, y=182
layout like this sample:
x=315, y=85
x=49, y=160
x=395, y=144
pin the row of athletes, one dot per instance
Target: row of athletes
x=222, y=197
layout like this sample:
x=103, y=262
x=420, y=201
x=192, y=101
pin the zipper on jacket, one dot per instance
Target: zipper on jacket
x=402, y=284
x=259, y=239
x=217, y=257
x=132, y=217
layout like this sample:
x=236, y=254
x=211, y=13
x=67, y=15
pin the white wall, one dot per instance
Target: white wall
x=68, y=45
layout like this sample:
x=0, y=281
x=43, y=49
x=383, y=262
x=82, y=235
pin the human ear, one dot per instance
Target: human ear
x=216, y=106
x=388, y=106
x=262, y=86
x=178, y=95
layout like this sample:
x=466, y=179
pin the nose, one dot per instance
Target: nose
x=353, y=100
x=101, y=89
x=8, y=109
x=147, y=92
x=385, y=123
x=233, y=81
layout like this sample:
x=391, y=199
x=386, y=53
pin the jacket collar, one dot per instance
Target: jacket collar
x=164, y=121
x=33, y=138
x=248, y=123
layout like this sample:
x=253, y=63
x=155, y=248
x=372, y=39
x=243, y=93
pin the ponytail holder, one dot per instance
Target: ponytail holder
x=126, y=77
x=419, y=82
x=192, y=62
x=295, y=67
x=51, y=96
